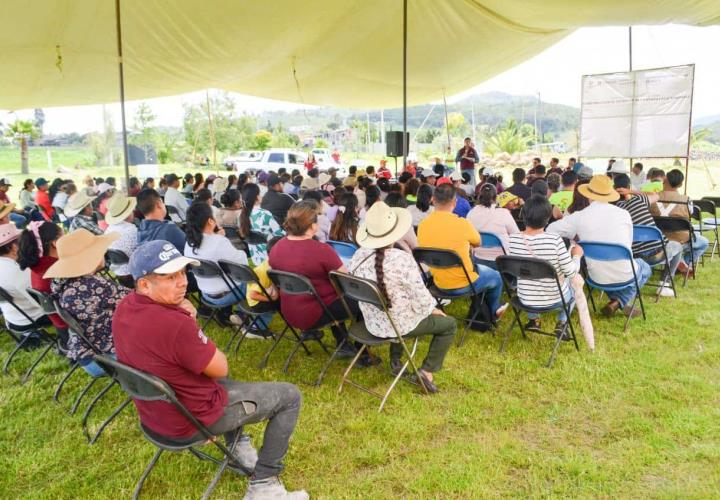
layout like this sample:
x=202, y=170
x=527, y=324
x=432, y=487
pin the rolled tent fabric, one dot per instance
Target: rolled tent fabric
x=325, y=52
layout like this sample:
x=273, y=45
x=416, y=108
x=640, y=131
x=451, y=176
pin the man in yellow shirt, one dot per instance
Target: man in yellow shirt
x=442, y=229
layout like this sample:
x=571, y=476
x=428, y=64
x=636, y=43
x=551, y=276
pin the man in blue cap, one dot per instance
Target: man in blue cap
x=155, y=331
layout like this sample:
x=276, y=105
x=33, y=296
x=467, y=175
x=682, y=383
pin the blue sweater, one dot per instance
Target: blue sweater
x=151, y=230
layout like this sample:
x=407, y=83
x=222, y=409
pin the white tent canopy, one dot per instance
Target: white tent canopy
x=326, y=52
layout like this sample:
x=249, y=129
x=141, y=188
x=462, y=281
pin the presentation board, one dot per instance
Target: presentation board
x=637, y=114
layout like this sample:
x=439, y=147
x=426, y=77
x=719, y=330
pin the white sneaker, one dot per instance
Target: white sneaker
x=236, y=320
x=666, y=291
x=272, y=488
x=445, y=302
x=246, y=453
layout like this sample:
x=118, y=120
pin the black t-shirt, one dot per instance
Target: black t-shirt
x=520, y=190
x=277, y=204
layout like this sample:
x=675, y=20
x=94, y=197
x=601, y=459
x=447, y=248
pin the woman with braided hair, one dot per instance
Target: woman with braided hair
x=412, y=308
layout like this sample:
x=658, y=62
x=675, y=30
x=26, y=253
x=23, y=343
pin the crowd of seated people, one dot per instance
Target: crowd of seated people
x=287, y=218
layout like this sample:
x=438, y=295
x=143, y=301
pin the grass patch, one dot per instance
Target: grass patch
x=639, y=418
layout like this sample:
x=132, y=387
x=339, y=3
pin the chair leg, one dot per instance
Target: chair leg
x=265, y=359
x=73, y=369
x=82, y=394
x=506, y=337
x=146, y=473
x=632, y=308
x=558, y=341
x=325, y=368
x=409, y=362
x=29, y=371
x=89, y=409
x=350, y=367
x=14, y=352
x=107, y=421
x=592, y=299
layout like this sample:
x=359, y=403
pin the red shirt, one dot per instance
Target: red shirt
x=4, y=197
x=310, y=164
x=42, y=198
x=313, y=260
x=43, y=285
x=166, y=342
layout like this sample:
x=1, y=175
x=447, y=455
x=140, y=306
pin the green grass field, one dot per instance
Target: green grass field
x=638, y=418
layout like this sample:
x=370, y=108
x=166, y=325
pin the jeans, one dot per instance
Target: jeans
x=442, y=329
x=569, y=300
x=92, y=368
x=489, y=281
x=254, y=402
x=487, y=263
x=626, y=295
x=699, y=246
x=228, y=300
x=18, y=220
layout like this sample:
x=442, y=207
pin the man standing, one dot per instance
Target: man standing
x=154, y=330
x=637, y=177
x=468, y=157
x=174, y=198
x=276, y=201
x=606, y=223
x=555, y=166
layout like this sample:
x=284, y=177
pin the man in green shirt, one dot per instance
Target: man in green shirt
x=563, y=198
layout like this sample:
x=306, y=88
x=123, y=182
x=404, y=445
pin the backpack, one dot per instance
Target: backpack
x=484, y=319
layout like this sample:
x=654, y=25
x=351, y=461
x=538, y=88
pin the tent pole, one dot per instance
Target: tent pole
x=118, y=31
x=630, y=62
x=447, y=125
x=406, y=146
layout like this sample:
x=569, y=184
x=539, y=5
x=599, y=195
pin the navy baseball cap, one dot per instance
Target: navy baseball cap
x=159, y=257
x=40, y=181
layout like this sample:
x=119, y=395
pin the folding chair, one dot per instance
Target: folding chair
x=491, y=240
x=646, y=234
x=232, y=233
x=255, y=238
x=446, y=259
x=513, y=268
x=706, y=206
x=76, y=329
x=611, y=252
x=366, y=291
x=296, y=284
x=238, y=277
x=209, y=269
x=343, y=249
x=21, y=339
x=116, y=257
x=172, y=210
x=673, y=224
x=145, y=387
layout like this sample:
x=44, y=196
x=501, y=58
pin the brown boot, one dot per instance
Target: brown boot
x=610, y=308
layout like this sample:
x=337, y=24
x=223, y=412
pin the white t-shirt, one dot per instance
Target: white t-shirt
x=16, y=282
x=215, y=247
x=173, y=198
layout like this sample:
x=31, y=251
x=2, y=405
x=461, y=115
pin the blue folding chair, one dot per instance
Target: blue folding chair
x=611, y=252
x=646, y=234
x=344, y=250
x=491, y=240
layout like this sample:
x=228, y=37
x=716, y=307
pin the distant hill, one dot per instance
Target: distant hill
x=491, y=109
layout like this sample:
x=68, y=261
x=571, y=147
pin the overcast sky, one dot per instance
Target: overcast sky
x=555, y=73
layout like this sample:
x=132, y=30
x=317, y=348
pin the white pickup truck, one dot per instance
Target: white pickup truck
x=271, y=159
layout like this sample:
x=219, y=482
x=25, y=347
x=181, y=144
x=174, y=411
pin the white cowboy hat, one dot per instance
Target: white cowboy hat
x=383, y=226
x=77, y=202
x=119, y=208
x=103, y=187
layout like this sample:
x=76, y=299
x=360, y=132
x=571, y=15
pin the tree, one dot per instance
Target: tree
x=22, y=131
x=321, y=143
x=699, y=135
x=457, y=125
x=508, y=138
x=263, y=138
x=428, y=135
x=143, y=126
x=39, y=120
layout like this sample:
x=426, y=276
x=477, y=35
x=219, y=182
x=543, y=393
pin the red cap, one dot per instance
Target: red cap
x=443, y=180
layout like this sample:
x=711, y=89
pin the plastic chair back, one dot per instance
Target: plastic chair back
x=359, y=289
x=255, y=238
x=291, y=283
x=43, y=299
x=207, y=269
x=606, y=252
x=643, y=234
x=438, y=258
x=137, y=384
x=672, y=224
x=525, y=268
x=116, y=257
x=490, y=240
x=344, y=249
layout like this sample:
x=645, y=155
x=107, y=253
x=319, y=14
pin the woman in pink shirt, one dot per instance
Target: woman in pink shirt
x=488, y=217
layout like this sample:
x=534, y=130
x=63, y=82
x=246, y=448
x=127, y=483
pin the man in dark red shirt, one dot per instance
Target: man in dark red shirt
x=467, y=156
x=154, y=330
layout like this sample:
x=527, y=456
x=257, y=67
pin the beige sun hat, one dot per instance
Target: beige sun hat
x=77, y=202
x=8, y=234
x=383, y=226
x=79, y=253
x=600, y=188
x=119, y=208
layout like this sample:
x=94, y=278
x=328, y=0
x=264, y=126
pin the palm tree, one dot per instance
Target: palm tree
x=508, y=138
x=22, y=131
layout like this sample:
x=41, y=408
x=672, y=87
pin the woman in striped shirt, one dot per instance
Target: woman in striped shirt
x=536, y=243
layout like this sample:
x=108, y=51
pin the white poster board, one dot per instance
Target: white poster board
x=145, y=170
x=637, y=114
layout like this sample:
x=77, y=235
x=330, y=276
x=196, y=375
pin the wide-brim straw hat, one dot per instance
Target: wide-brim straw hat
x=383, y=226
x=600, y=188
x=77, y=202
x=6, y=208
x=79, y=253
x=119, y=208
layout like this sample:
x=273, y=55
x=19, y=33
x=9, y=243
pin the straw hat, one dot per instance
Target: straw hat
x=310, y=183
x=600, y=188
x=77, y=202
x=79, y=253
x=8, y=233
x=119, y=208
x=6, y=208
x=383, y=226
